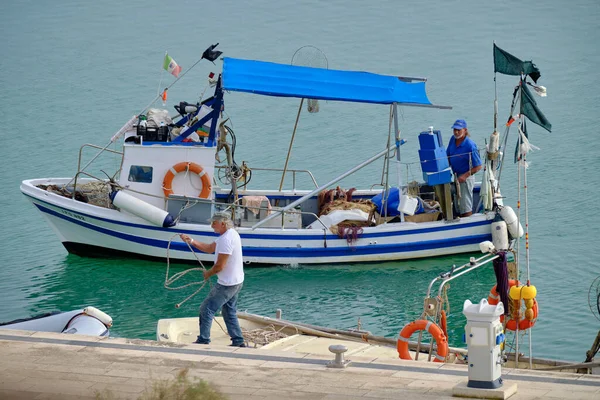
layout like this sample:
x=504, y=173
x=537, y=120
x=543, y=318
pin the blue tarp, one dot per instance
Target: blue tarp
x=282, y=80
x=393, y=201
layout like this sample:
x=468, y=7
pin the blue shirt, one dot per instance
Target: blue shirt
x=463, y=157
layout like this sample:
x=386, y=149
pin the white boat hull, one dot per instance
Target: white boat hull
x=90, y=230
x=77, y=322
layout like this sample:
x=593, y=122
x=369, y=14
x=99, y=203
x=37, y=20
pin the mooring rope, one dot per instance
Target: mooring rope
x=170, y=280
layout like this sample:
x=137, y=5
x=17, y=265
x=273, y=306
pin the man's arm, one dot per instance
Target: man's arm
x=218, y=267
x=470, y=172
x=204, y=247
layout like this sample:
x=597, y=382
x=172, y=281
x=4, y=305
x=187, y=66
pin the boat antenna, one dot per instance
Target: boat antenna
x=306, y=56
x=210, y=54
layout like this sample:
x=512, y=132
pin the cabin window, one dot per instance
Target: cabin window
x=138, y=173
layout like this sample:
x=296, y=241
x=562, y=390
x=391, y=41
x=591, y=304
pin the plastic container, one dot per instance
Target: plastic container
x=408, y=205
x=433, y=160
x=499, y=235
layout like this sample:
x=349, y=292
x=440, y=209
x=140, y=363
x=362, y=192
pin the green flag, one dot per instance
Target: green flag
x=530, y=109
x=506, y=63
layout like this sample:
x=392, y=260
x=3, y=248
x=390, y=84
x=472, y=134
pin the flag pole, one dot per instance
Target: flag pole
x=162, y=72
x=122, y=131
x=495, y=93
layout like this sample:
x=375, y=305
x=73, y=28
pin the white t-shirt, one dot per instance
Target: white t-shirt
x=233, y=272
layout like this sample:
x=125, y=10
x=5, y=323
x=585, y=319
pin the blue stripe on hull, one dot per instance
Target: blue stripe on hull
x=316, y=236
x=291, y=252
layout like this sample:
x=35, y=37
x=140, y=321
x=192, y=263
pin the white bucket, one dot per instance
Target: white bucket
x=499, y=235
x=408, y=205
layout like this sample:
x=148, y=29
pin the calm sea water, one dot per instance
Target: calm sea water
x=73, y=72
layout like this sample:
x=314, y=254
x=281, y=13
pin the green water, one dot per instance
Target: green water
x=74, y=72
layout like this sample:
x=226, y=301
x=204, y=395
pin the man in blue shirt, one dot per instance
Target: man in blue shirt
x=465, y=162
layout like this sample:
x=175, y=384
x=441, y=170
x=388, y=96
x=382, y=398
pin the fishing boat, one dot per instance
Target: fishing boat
x=496, y=325
x=170, y=181
x=87, y=321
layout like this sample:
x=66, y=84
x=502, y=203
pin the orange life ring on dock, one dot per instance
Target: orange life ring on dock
x=423, y=325
x=511, y=324
x=187, y=166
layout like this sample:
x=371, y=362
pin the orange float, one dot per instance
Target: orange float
x=422, y=325
x=191, y=167
x=511, y=324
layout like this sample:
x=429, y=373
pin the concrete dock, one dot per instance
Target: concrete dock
x=41, y=365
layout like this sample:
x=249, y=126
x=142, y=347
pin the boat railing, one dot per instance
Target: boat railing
x=432, y=307
x=81, y=172
x=236, y=208
x=294, y=172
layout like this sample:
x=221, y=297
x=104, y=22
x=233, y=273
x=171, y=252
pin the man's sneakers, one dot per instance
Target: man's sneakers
x=200, y=341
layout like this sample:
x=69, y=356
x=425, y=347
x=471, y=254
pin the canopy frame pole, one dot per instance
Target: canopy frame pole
x=399, y=143
x=287, y=159
x=302, y=199
x=385, y=174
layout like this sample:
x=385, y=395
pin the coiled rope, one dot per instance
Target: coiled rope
x=169, y=280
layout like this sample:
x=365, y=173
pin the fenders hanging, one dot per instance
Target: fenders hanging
x=142, y=209
x=514, y=227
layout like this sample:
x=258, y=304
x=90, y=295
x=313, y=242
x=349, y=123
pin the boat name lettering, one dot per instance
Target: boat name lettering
x=70, y=214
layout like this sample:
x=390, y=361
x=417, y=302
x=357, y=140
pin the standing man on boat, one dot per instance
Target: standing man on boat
x=229, y=268
x=465, y=162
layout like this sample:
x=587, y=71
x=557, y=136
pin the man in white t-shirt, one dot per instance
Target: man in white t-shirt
x=229, y=268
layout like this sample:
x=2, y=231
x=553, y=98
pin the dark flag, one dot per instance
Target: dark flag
x=530, y=109
x=506, y=63
x=211, y=54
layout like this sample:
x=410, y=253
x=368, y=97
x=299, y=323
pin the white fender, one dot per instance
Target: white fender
x=142, y=209
x=99, y=315
x=499, y=235
x=514, y=227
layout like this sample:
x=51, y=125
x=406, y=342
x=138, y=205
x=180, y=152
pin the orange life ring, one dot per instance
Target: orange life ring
x=420, y=325
x=511, y=324
x=494, y=296
x=187, y=166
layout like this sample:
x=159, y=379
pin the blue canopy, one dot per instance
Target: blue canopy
x=283, y=80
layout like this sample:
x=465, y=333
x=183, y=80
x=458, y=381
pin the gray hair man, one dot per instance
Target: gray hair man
x=229, y=268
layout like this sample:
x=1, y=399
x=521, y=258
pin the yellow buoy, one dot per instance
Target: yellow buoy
x=529, y=303
x=515, y=292
x=529, y=314
x=529, y=292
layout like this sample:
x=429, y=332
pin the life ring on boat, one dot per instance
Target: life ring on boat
x=529, y=318
x=187, y=166
x=422, y=325
x=494, y=296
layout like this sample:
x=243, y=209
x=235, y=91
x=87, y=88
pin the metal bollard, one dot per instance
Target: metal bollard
x=338, y=362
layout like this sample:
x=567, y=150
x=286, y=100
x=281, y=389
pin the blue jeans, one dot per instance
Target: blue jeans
x=224, y=298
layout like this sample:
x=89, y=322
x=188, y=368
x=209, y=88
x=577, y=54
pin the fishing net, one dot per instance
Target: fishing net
x=95, y=193
x=261, y=337
x=310, y=56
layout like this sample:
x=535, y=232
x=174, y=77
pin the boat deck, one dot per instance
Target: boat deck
x=41, y=365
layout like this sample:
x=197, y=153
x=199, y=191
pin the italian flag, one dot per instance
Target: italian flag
x=171, y=66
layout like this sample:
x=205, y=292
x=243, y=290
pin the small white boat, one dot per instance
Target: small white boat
x=88, y=321
x=169, y=183
x=276, y=334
